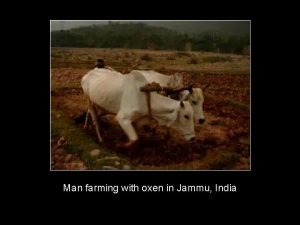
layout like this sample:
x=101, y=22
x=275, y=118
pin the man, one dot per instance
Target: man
x=100, y=63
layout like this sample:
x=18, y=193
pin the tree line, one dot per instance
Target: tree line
x=142, y=36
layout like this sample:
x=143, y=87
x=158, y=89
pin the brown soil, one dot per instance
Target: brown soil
x=226, y=130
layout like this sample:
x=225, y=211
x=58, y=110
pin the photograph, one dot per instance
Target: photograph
x=150, y=95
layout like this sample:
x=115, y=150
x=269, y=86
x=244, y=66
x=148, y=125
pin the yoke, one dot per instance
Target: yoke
x=154, y=86
x=148, y=88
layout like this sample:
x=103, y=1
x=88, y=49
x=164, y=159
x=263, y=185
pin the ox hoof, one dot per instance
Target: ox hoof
x=130, y=145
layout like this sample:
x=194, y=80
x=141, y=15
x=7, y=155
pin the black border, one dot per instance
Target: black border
x=246, y=181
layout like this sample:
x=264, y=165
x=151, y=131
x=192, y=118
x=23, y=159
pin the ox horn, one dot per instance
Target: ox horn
x=190, y=87
x=170, y=91
x=181, y=104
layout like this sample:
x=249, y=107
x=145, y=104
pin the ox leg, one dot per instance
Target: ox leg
x=95, y=121
x=127, y=127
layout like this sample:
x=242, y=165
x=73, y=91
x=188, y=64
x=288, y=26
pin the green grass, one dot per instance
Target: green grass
x=64, y=126
x=71, y=148
x=78, y=141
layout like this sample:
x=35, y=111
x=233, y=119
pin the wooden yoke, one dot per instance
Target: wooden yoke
x=148, y=88
x=148, y=97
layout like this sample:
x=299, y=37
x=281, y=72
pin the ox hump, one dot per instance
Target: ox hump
x=138, y=76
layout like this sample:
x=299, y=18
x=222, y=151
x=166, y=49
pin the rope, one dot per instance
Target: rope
x=148, y=97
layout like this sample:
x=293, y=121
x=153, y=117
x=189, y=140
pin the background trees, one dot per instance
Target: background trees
x=142, y=36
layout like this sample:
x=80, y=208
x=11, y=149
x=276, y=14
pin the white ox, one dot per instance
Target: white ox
x=194, y=96
x=174, y=81
x=121, y=95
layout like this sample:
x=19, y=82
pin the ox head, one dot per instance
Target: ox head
x=196, y=98
x=184, y=121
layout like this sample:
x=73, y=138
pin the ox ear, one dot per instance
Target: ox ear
x=181, y=104
x=203, y=89
x=184, y=95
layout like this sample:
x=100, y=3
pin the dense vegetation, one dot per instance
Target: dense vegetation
x=142, y=36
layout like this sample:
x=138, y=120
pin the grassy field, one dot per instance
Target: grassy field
x=126, y=59
x=223, y=141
